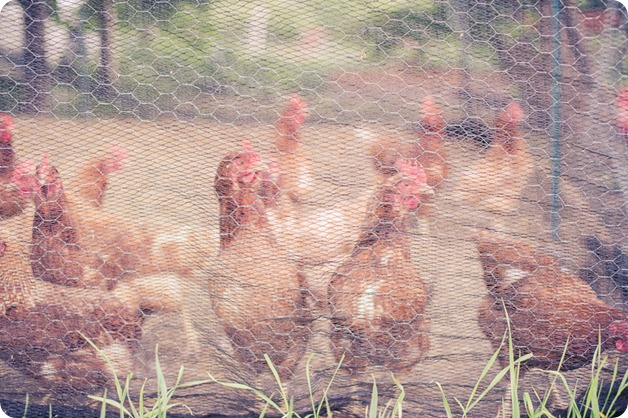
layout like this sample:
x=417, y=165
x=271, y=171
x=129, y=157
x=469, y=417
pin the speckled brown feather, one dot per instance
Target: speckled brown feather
x=377, y=297
x=260, y=300
x=546, y=306
x=40, y=324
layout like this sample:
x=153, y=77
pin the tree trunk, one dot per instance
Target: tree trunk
x=460, y=24
x=36, y=71
x=581, y=60
x=257, y=30
x=80, y=58
x=528, y=66
x=104, y=76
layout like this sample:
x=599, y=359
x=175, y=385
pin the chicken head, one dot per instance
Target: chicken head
x=6, y=123
x=619, y=331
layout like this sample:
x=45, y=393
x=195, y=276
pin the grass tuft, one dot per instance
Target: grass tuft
x=125, y=404
x=593, y=404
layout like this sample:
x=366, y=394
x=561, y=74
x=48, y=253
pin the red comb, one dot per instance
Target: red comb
x=514, y=112
x=116, y=159
x=411, y=169
x=6, y=121
x=23, y=178
x=296, y=108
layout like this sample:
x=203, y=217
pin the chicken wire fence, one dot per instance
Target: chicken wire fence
x=373, y=183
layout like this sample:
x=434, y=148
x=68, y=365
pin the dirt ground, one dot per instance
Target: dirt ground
x=168, y=186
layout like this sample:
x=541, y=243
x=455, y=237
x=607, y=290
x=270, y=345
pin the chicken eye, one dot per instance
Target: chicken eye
x=403, y=186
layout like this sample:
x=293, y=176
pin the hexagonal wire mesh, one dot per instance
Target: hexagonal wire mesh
x=376, y=179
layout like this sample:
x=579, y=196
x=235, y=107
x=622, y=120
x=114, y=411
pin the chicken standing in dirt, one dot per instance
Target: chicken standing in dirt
x=297, y=181
x=547, y=307
x=13, y=199
x=56, y=254
x=40, y=324
x=76, y=243
x=377, y=297
x=428, y=151
x=312, y=230
x=260, y=298
x=496, y=181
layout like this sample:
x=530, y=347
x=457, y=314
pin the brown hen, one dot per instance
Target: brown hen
x=377, y=297
x=41, y=326
x=259, y=297
x=313, y=231
x=494, y=183
x=428, y=151
x=15, y=180
x=547, y=306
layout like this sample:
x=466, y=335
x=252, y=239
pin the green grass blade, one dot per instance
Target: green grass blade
x=607, y=399
x=264, y=409
x=127, y=395
x=398, y=407
x=484, y=372
x=120, y=392
x=162, y=387
x=140, y=405
x=382, y=414
x=514, y=372
x=573, y=406
x=115, y=404
x=372, y=411
x=326, y=391
x=256, y=392
x=308, y=378
x=282, y=392
x=103, y=406
x=194, y=383
x=290, y=411
x=498, y=378
x=529, y=406
x=462, y=407
x=25, y=407
x=445, y=401
x=623, y=385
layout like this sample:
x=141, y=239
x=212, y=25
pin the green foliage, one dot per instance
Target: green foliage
x=594, y=404
x=10, y=94
x=146, y=13
x=128, y=407
x=286, y=405
x=593, y=407
x=392, y=409
x=592, y=4
x=386, y=29
x=473, y=400
x=534, y=405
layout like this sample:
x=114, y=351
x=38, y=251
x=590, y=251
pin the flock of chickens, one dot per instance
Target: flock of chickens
x=86, y=269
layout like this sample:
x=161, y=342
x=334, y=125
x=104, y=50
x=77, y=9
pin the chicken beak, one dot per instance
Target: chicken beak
x=427, y=190
x=260, y=166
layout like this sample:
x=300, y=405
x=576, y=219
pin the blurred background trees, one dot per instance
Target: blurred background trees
x=147, y=57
